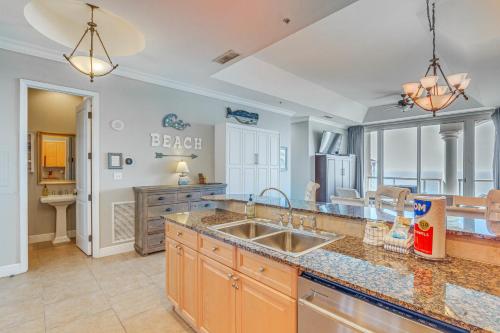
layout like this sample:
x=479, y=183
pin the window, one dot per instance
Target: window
x=484, y=146
x=371, y=166
x=400, y=158
x=432, y=160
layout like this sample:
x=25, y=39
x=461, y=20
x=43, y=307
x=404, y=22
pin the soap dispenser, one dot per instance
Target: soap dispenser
x=250, y=208
x=45, y=191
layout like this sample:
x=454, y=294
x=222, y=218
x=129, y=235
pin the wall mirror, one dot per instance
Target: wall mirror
x=56, y=158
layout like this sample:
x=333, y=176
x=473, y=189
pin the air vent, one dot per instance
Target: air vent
x=226, y=56
x=328, y=117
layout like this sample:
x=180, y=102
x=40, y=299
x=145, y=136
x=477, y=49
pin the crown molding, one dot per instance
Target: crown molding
x=320, y=121
x=45, y=53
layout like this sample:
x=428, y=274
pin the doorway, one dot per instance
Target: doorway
x=66, y=163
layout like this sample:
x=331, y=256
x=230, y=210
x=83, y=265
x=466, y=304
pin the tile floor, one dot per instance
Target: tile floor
x=66, y=291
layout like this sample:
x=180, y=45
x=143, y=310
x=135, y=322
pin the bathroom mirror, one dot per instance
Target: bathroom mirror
x=56, y=158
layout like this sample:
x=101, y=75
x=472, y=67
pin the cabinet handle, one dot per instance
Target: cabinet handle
x=179, y=234
x=161, y=198
x=168, y=209
x=229, y=276
x=235, y=278
x=189, y=195
x=235, y=286
x=207, y=205
x=261, y=269
x=215, y=248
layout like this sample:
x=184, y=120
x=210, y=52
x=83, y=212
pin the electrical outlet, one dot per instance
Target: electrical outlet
x=117, y=175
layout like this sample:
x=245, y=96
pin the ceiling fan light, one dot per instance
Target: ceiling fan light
x=82, y=63
x=455, y=79
x=465, y=83
x=428, y=81
x=441, y=90
x=411, y=89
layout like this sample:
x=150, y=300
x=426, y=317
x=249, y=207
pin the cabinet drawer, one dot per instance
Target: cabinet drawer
x=155, y=211
x=188, y=196
x=182, y=235
x=213, y=191
x=155, y=242
x=155, y=226
x=217, y=250
x=160, y=199
x=198, y=205
x=279, y=276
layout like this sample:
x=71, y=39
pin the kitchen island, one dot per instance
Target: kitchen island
x=460, y=292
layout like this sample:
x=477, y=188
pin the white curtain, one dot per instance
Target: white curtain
x=356, y=146
x=496, y=153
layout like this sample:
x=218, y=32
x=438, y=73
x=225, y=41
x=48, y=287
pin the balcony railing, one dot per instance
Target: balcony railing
x=426, y=184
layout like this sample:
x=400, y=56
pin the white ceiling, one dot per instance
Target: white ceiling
x=345, y=55
x=183, y=37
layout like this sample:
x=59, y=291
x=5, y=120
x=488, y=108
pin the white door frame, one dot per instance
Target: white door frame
x=23, y=162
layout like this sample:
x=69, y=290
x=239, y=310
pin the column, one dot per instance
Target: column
x=449, y=133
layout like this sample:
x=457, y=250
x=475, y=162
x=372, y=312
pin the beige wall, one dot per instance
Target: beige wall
x=141, y=106
x=48, y=112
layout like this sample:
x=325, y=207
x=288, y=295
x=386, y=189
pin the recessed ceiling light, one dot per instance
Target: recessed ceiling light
x=226, y=56
x=286, y=20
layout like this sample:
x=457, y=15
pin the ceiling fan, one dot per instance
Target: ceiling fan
x=404, y=104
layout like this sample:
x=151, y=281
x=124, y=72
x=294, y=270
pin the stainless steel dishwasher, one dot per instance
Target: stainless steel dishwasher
x=325, y=306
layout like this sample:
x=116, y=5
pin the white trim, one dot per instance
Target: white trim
x=32, y=239
x=116, y=249
x=13, y=269
x=41, y=52
x=113, y=204
x=250, y=127
x=320, y=121
x=23, y=163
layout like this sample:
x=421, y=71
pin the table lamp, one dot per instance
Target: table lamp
x=183, y=169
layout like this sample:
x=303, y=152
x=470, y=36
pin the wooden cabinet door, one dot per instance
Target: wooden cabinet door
x=263, y=309
x=189, y=285
x=173, y=268
x=217, y=297
x=61, y=154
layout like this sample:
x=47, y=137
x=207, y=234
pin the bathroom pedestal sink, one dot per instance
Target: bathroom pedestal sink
x=60, y=203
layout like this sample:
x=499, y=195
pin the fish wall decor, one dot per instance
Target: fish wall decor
x=243, y=117
x=171, y=120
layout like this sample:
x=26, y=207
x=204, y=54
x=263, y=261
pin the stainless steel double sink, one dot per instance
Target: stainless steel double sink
x=263, y=232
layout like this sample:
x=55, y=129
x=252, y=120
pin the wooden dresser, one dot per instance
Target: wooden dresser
x=151, y=202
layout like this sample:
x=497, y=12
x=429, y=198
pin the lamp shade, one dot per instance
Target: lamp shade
x=182, y=167
x=83, y=64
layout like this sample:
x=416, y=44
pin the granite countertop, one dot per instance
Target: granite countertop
x=465, y=224
x=460, y=292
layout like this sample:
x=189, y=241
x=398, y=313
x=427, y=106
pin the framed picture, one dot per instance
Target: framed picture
x=115, y=161
x=283, y=158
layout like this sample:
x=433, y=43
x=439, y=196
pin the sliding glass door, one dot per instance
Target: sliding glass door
x=484, y=145
x=400, y=158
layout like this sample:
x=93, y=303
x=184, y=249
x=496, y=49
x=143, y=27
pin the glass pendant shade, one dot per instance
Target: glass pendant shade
x=456, y=79
x=428, y=81
x=434, y=102
x=90, y=65
x=412, y=89
x=464, y=84
x=439, y=90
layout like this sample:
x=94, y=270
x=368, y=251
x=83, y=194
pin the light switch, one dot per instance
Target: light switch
x=117, y=175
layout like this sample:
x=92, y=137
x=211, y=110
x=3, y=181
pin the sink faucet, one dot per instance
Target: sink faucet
x=290, y=209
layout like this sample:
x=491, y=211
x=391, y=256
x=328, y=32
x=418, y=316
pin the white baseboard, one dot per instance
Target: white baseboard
x=47, y=237
x=13, y=269
x=115, y=249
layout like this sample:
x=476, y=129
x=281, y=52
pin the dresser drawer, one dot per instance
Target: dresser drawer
x=155, y=226
x=160, y=199
x=213, y=191
x=160, y=210
x=217, y=250
x=269, y=272
x=188, y=196
x=198, y=205
x=182, y=235
x=155, y=242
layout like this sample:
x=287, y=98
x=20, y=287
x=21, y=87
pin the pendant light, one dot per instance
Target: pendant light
x=429, y=93
x=90, y=65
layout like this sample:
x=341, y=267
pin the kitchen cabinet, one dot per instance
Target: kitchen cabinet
x=246, y=158
x=217, y=297
x=182, y=283
x=333, y=172
x=263, y=309
x=217, y=288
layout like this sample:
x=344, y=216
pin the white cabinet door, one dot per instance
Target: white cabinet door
x=235, y=180
x=234, y=145
x=274, y=177
x=262, y=178
x=263, y=148
x=249, y=180
x=274, y=150
x=249, y=147
x=346, y=170
x=338, y=173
